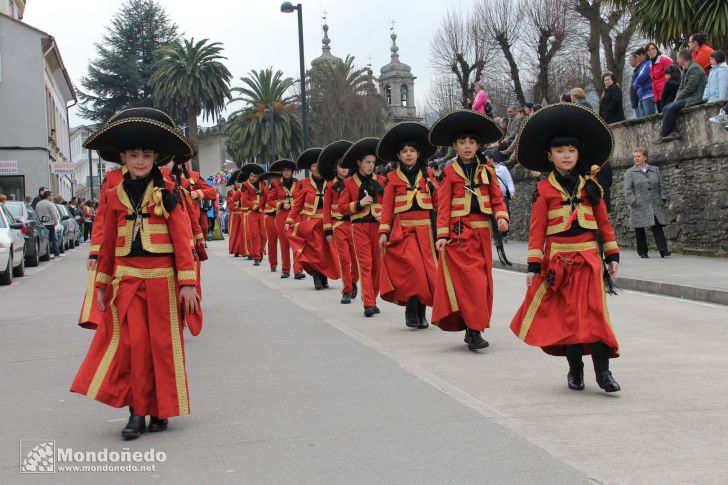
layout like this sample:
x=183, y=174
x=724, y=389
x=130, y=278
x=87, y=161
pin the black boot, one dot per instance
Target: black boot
x=324, y=281
x=285, y=274
x=370, y=311
x=575, y=377
x=299, y=276
x=134, y=427
x=156, y=424
x=422, y=316
x=411, y=318
x=345, y=299
x=600, y=357
x=475, y=340
x=317, y=283
x=256, y=262
x=354, y=291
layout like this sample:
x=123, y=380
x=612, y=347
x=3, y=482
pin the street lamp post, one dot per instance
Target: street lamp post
x=91, y=174
x=288, y=7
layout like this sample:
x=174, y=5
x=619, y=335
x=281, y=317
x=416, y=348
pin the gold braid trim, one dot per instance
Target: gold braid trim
x=103, y=278
x=532, y=309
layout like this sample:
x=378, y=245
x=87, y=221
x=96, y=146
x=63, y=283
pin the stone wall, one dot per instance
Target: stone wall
x=694, y=170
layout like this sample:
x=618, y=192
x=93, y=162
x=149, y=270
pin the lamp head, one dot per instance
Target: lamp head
x=287, y=7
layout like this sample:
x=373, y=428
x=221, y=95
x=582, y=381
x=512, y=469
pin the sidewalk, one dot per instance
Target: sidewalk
x=694, y=277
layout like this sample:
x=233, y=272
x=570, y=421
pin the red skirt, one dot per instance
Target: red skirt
x=409, y=262
x=137, y=357
x=314, y=252
x=566, y=304
x=464, y=285
x=236, y=235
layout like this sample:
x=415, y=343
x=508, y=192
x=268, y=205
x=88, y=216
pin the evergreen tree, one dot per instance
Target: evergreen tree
x=126, y=59
x=250, y=132
x=190, y=80
x=344, y=102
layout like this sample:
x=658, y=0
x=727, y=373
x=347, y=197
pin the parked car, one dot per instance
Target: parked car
x=70, y=229
x=37, y=242
x=12, y=247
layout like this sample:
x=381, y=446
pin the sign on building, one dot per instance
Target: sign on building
x=62, y=168
x=9, y=167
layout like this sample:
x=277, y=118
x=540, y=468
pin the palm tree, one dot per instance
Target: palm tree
x=268, y=121
x=344, y=102
x=190, y=80
x=670, y=22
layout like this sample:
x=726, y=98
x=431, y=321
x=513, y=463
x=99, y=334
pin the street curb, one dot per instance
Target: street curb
x=719, y=297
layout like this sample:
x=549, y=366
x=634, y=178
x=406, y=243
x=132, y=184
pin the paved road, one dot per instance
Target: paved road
x=288, y=386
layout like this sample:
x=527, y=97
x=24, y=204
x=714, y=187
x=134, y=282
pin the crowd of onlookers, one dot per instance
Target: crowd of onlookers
x=658, y=85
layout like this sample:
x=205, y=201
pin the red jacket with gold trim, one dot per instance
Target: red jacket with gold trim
x=309, y=201
x=454, y=201
x=159, y=235
x=399, y=196
x=283, y=195
x=111, y=180
x=551, y=214
x=252, y=197
x=271, y=204
x=192, y=206
x=233, y=201
x=332, y=212
x=350, y=197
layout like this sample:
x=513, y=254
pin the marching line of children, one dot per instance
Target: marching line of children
x=418, y=243
x=407, y=238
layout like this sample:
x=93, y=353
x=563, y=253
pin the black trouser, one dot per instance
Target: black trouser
x=87, y=230
x=669, y=117
x=211, y=225
x=641, y=237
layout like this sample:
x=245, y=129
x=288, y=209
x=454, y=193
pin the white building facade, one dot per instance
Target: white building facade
x=35, y=94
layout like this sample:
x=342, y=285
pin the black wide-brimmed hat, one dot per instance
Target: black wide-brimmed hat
x=247, y=169
x=232, y=178
x=282, y=163
x=140, y=127
x=563, y=119
x=405, y=132
x=359, y=150
x=267, y=175
x=461, y=123
x=329, y=156
x=308, y=158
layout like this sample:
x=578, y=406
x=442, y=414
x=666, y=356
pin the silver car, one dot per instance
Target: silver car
x=12, y=247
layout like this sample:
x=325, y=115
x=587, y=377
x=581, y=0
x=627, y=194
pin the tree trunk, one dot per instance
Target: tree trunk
x=192, y=134
x=506, y=48
x=592, y=14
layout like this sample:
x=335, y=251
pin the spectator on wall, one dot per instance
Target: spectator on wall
x=481, y=103
x=507, y=187
x=700, y=50
x=673, y=75
x=642, y=84
x=610, y=106
x=634, y=63
x=717, y=87
x=692, y=85
x=646, y=196
x=578, y=96
x=565, y=98
x=657, y=73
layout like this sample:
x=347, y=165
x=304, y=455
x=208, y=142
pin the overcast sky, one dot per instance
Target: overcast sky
x=257, y=35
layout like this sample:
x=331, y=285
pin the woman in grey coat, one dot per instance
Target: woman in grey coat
x=646, y=196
